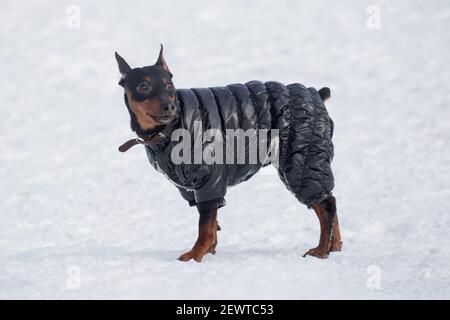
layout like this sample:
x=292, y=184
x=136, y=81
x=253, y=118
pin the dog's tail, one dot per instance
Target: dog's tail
x=325, y=93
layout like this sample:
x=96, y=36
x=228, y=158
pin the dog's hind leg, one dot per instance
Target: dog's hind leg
x=207, y=236
x=336, y=240
x=330, y=237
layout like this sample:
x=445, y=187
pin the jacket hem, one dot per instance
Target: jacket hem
x=211, y=204
x=317, y=198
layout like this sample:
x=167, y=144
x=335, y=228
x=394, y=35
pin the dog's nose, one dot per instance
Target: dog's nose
x=169, y=107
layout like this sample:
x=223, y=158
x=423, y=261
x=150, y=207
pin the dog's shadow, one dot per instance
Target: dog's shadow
x=123, y=253
x=224, y=254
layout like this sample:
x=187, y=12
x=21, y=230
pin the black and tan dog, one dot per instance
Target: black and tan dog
x=157, y=110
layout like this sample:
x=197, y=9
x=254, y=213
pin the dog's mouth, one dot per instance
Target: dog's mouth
x=164, y=119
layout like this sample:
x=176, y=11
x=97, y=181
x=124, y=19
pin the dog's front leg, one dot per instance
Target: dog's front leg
x=207, y=236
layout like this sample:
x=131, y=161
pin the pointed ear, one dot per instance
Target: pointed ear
x=161, y=62
x=123, y=65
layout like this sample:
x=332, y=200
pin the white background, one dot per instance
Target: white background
x=69, y=198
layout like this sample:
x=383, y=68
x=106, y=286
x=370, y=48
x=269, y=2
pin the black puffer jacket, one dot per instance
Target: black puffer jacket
x=305, y=132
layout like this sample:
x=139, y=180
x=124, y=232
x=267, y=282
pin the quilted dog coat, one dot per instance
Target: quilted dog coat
x=305, y=133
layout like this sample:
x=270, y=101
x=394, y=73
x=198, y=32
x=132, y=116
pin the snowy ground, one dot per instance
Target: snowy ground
x=72, y=205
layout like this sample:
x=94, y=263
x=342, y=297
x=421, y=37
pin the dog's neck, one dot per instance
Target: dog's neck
x=157, y=140
x=149, y=133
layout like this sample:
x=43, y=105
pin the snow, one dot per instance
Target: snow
x=80, y=220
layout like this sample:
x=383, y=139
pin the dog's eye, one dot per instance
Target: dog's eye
x=171, y=89
x=143, y=87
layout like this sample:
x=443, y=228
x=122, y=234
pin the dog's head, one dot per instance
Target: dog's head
x=149, y=94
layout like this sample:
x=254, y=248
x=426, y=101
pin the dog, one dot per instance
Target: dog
x=157, y=110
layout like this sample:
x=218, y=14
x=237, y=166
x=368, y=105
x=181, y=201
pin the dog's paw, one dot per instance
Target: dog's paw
x=337, y=246
x=212, y=249
x=200, y=249
x=188, y=256
x=197, y=254
x=318, y=253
